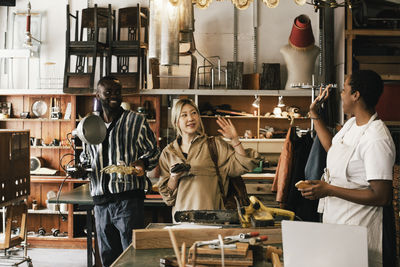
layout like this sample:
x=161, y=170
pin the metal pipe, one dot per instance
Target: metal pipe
x=235, y=34
x=255, y=37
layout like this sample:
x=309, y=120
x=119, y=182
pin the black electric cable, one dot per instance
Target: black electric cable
x=58, y=198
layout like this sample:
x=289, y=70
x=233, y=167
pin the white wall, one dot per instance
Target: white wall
x=213, y=32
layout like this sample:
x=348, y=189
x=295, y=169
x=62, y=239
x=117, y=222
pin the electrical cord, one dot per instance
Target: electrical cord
x=65, y=170
x=62, y=157
x=58, y=198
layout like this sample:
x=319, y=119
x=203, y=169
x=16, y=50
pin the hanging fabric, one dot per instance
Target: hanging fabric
x=303, y=208
x=316, y=161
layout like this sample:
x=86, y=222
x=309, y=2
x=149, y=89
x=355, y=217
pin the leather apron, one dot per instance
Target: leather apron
x=339, y=211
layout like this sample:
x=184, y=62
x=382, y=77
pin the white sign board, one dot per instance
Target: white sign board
x=307, y=244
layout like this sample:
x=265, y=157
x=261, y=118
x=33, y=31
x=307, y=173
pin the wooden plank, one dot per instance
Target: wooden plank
x=159, y=238
x=373, y=32
x=240, y=250
x=390, y=77
x=378, y=59
x=382, y=68
x=256, y=189
x=231, y=261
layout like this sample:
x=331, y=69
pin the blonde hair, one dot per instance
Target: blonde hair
x=176, y=112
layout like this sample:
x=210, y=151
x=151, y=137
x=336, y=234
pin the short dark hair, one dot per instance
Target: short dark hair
x=109, y=81
x=369, y=84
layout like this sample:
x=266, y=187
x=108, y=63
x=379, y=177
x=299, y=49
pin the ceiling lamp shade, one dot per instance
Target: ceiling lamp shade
x=202, y=4
x=242, y=4
x=170, y=22
x=300, y=2
x=271, y=3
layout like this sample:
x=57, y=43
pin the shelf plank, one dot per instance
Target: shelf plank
x=252, y=117
x=224, y=92
x=34, y=120
x=57, y=242
x=52, y=147
x=390, y=77
x=32, y=92
x=392, y=123
x=53, y=212
x=46, y=211
x=259, y=176
x=373, y=32
x=55, y=179
x=214, y=92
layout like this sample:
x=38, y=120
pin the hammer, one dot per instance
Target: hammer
x=273, y=254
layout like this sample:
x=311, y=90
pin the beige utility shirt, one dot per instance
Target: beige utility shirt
x=198, y=189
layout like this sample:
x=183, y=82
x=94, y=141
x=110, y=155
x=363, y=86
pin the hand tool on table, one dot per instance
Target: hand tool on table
x=255, y=214
x=251, y=238
x=258, y=215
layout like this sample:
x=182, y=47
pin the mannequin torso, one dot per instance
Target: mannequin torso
x=300, y=64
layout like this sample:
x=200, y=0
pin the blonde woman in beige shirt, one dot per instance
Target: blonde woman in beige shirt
x=198, y=189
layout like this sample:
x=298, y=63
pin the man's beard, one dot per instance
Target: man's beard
x=110, y=108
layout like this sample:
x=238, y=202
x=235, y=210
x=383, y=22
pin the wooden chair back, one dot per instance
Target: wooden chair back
x=93, y=19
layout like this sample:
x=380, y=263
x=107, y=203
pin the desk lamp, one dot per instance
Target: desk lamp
x=91, y=130
x=278, y=109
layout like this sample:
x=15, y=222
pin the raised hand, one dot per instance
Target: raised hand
x=322, y=97
x=228, y=130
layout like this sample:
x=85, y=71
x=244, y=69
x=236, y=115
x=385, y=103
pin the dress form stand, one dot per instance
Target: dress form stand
x=301, y=53
x=300, y=64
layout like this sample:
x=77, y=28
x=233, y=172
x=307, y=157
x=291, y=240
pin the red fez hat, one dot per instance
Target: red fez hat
x=301, y=36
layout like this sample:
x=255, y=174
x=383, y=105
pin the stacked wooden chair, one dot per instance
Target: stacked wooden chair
x=124, y=49
x=127, y=54
x=85, y=49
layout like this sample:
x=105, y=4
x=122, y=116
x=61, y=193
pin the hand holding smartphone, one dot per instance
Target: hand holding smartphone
x=325, y=94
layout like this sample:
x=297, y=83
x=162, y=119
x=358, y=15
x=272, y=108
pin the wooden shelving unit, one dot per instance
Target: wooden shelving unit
x=47, y=130
x=377, y=63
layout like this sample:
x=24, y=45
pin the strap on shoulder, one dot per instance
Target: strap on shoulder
x=212, y=146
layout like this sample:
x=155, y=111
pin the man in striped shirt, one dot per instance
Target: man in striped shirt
x=119, y=202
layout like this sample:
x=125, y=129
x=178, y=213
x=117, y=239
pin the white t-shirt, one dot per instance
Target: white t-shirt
x=374, y=155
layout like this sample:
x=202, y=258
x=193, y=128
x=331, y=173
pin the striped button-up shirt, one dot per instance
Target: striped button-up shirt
x=128, y=139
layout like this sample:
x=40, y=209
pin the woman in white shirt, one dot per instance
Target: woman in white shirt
x=357, y=183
